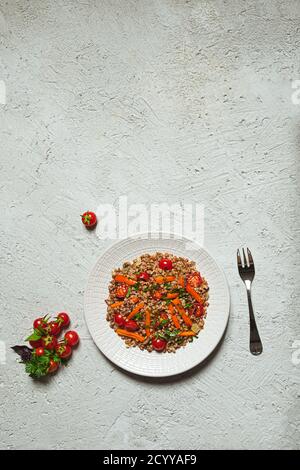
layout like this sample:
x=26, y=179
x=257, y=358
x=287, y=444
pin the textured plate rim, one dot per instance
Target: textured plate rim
x=157, y=236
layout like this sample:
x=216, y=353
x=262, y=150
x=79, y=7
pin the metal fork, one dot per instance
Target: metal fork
x=247, y=273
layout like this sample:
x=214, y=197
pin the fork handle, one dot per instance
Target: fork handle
x=255, y=341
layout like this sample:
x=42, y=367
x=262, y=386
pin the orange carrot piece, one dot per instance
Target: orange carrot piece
x=147, y=322
x=181, y=281
x=126, y=280
x=116, y=304
x=130, y=334
x=172, y=296
x=169, y=278
x=134, y=299
x=193, y=293
x=135, y=310
x=159, y=279
x=176, y=301
x=184, y=316
x=187, y=333
x=174, y=317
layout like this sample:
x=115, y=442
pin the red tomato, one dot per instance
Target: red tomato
x=53, y=366
x=49, y=342
x=165, y=264
x=194, y=279
x=36, y=343
x=143, y=276
x=197, y=310
x=121, y=290
x=71, y=338
x=39, y=351
x=63, y=318
x=63, y=350
x=157, y=295
x=53, y=328
x=40, y=323
x=119, y=319
x=159, y=344
x=89, y=219
x=131, y=325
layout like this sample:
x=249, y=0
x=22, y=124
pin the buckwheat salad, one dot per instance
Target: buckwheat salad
x=157, y=302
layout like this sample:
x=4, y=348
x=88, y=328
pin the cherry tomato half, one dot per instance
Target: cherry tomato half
x=71, y=338
x=197, y=310
x=143, y=276
x=165, y=264
x=121, y=290
x=131, y=325
x=159, y=344
x=119, y=319
x=194, y=279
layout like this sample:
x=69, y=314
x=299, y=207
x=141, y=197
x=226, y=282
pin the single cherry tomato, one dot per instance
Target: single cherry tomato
x=119, y=319
x=157, y=295
x=53, y=328
x=40, y=351
x=131, y=325
x=121, y=290
x=36, y=343
x=159, y=344
x=63, y=350
x=197, y=310
x=194, y=279
x=53, y=366
x=89, y=219
x=71, y=338
x=165, y=264
x=40, y=323
x=49, y=342
x=63, y=318
x=143, y=276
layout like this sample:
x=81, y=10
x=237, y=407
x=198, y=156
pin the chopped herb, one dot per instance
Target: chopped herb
x=138, y=316
x=128, y=292
x=136, y=286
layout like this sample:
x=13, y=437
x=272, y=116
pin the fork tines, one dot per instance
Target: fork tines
x=244, y=261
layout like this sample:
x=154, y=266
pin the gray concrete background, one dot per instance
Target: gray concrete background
x=160, y=101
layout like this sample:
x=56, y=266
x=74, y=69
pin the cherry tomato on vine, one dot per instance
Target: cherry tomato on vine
x=53, y=366
x=53, y=328
x=64, y=319
x=49, y=342
x=40, y=323
x=40, y=351
x=71, y=338
x=63, y=350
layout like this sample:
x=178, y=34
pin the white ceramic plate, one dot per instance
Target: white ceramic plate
x=133, y=359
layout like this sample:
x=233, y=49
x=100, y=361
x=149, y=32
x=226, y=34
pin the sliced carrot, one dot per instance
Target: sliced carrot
x=181, y=281
x=176, y=301
x=147, y=322
x=173, y=316
x=193, y=293
x=130, y=334
x=184, y=316
x=116, y=304
x=159, y=279
x=172, y=296
x=126, y=280
x=169, y=278
x=187, y=333
x=135, y=310
x=134, y=299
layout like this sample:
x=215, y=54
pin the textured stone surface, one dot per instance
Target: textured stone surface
x=103, y=99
